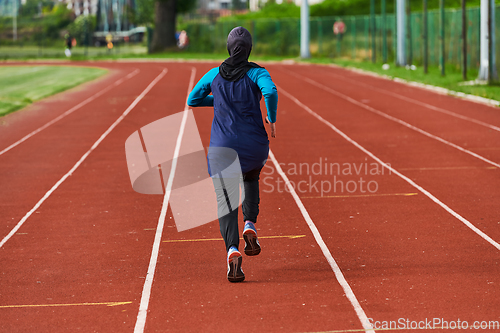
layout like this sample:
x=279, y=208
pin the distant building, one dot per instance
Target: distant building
x=255, y=5
x=216, y=8
x=7, y=7
x=83, y=7
x=216, y=5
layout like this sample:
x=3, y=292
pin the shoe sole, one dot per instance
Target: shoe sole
x=235, y=274
x=252, y=246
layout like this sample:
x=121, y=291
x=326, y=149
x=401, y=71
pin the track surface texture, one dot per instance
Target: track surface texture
x=410, y=242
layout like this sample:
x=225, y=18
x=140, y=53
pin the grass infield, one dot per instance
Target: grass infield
x=23, y=85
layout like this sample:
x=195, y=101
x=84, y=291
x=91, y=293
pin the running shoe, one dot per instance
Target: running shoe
x=234, y=259
x=252, y=246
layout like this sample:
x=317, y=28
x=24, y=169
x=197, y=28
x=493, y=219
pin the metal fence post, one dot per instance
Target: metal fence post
x=367, y=35
x=384, y=33
x=426, y=38
x=353, y=24
x=441, y=34
x=464, y=41
x=320, y=36
x=372, y=28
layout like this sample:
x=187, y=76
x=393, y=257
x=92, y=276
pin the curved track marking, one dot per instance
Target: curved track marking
x=408, y=180
x=326, y=252
x=73, y=109
x=80, y=161
x=148, y=283
x=397, y=120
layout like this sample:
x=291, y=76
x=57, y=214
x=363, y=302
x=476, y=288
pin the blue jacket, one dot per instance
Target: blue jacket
x=237, y=122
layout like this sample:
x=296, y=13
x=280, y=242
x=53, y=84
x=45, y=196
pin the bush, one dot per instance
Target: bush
x=82, y=28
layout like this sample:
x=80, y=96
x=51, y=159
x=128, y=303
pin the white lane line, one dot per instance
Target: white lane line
x=411, y=100
x=148, y=283
x=399, y=121
x=73, y=109
x=80, y=161
x=326, y=252
x=411, y=182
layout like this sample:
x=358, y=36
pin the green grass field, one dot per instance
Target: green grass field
x=22, y=85
x=78, y=52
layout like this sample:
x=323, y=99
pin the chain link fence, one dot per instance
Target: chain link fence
x=281, y=37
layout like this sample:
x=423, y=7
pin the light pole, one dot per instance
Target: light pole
x=401, y=32
x=304, y=30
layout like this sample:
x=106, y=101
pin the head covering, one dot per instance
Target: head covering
x=239, y=46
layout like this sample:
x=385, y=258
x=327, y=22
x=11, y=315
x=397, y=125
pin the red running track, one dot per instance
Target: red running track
x=78, y=262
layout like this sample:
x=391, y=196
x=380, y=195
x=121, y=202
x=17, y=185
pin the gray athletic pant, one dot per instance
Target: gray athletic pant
x=228, y=193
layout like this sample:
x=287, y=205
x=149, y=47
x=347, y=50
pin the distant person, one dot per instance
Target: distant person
x=237, y=86
x=339, y=29
x=183, y=39
x=69, y=45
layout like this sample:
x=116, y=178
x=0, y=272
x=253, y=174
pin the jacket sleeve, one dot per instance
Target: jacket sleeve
x=200, y=95
x=266, y=85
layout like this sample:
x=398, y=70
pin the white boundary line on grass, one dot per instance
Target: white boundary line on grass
x=399, y=121
x=408, y=180
x=414, y=101
x=73, y=109
x=148, y=283
x=80, y=161
x=326, y=252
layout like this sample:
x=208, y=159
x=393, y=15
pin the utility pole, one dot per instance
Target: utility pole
x=487, y=70
x=304, y=30
x=401, y=32
x=410, y=40
x=384, y=33
x=491, y=8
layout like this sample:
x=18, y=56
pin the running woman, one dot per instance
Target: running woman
x=237, y=86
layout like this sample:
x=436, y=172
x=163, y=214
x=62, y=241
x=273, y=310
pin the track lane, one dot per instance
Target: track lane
x=467, y=108
x=289, y=286
x=38, y=163
x=407, y=149
x=458, y=131
x=403, y=256
x=71, y=110
x=429, y=266
x=89, y=242
x=16, y=125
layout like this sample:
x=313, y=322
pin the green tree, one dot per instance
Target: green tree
x=82, y=28
x=165, y=22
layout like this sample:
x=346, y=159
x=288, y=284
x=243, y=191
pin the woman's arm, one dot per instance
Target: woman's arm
x=200, y=94
x=262, y=78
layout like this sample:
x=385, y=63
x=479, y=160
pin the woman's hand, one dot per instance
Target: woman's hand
x=273, y=128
